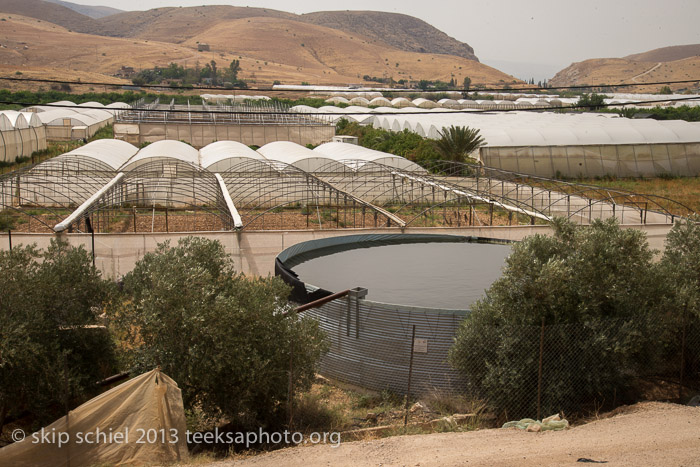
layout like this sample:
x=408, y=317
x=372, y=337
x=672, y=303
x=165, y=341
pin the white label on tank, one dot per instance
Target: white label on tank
x=420, y=345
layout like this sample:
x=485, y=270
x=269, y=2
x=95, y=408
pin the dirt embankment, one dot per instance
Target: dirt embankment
x=647, y=434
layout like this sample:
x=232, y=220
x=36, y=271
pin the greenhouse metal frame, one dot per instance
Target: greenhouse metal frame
x=168, y=186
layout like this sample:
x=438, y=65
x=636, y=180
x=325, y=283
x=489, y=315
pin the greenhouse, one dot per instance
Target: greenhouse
x=169, y=186
x=251, y=122
x=66, y=121
x=552, y=144
x=21, y=133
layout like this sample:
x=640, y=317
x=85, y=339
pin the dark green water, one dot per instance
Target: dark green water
x=437, y=275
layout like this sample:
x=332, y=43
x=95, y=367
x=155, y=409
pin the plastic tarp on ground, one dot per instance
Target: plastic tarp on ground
x=148, y=404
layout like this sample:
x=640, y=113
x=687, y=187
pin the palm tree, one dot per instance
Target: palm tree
x=456, y=143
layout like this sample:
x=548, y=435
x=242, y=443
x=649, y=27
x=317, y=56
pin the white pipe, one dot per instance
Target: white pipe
x=237, y=221
x=63, y=225
x=475, y=197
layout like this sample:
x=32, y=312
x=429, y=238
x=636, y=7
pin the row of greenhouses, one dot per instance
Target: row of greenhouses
x=169, y=186
x=552, y=144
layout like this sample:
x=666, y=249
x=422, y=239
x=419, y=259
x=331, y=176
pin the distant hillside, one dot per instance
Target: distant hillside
x=271, y=45
x=88, y=10
x=401, y=31
x=180, y=24
x=313, y=54
x=679, y=63
x=667, y=54
x=323, y=53
x=176, y=24
x=50, y=12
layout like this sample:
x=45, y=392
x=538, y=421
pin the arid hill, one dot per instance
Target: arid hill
x=321, y=52
x=312, y=54
x=400, y=31
x=50, y=12
x=88, y=10
x=177, y=25
x=28, y=43
x=678, y=63
x=667, y=54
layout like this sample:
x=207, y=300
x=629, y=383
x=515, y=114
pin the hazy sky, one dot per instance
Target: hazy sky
x=522, y=37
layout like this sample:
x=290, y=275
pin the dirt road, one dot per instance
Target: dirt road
x=647, y=434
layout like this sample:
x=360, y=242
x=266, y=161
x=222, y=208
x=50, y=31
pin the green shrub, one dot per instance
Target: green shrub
x=600, y=296
x=403, y=143
x=222, y=336
x=47, y=355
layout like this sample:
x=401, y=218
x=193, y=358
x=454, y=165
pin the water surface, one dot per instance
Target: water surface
x=437, y=275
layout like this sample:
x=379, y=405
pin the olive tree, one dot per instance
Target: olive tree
x=681, y=262
x=52, y=350
x=681, y=268
x=597, y=291
x=225, y=338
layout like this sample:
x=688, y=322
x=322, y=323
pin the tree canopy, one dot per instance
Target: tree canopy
x=222, y=336
x=457, y=143
x=50, y=350
x=600, y=294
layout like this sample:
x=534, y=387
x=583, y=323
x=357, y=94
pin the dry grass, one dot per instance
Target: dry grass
x=331, y=406
x=618, y=70
x=685, y=190
x=269, y=49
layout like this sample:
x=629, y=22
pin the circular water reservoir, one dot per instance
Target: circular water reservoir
x=428, y=271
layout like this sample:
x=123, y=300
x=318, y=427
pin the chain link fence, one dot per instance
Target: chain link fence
x=578, y=369
x=516, y=371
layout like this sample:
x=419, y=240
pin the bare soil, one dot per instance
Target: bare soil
x=201, y=221
x=619, y=70
x=310, y=53
x=649, y=433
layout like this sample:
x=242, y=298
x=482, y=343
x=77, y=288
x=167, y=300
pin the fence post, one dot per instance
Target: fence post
x=680, y=382
x=9, y=237
x=410, y=374
x=539, y=375
x=290, y=387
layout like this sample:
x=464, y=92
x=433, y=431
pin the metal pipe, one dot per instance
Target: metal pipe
x=320, y=301
x=410, y=374
x=539, y=373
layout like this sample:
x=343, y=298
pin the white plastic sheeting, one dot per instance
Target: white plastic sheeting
x=359, y=101
x=113, y=152
x=21, y=133
x=223, y=155
x=283, y=153
x=55, y=113
x=19, y=120
x=357, y=156
x=550, y=144
x=509, y=129
x=232, y=97
x=164, y=150
x=64, y=120
x=337, y=100
x=380, y=102
x=425, y=103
